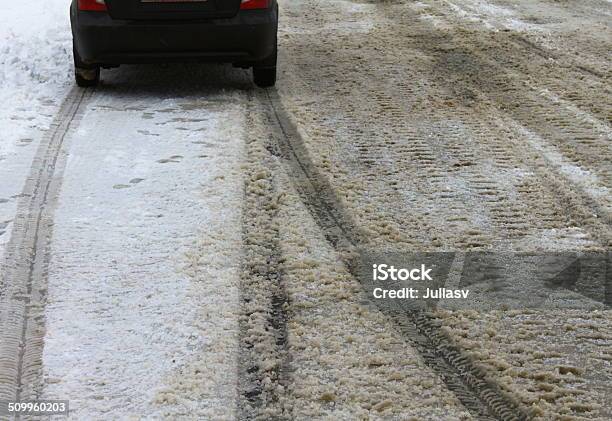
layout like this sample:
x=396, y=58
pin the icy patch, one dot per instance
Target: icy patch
x=435, y=21
x=492, y=16
x=417, y=5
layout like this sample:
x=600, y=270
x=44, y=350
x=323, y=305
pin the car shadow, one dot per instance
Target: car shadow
x=184, y=80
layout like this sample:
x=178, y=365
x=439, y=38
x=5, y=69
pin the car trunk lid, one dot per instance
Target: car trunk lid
x=172, y=9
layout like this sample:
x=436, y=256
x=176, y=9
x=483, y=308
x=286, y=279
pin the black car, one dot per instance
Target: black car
x=107, y=33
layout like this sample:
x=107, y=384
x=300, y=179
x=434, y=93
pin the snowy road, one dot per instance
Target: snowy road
x=143, y=273
x=34, y=71
x=180, y=245
x=143, y=292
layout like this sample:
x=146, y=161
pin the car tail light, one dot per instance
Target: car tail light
x=92, y=5
x=254, y=4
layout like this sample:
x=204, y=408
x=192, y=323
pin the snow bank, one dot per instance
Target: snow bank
x=35, y=63
x=35, y=46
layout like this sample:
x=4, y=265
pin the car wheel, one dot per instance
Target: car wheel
x=264, y=77
x=264, y=72
x=85, y=75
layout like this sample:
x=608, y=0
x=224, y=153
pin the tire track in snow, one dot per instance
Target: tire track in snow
x=481, y=397
x=23, y=283
x=263, y=368
x=437, y=167
x=570, y=113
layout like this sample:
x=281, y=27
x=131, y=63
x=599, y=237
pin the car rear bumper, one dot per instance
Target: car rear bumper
x=248, y=37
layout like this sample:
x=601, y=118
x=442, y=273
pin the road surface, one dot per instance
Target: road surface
x=179, y=244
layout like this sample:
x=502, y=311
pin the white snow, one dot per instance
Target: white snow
x=492, y=16
x=143, y=280
x=35, y=63
x=143, y=284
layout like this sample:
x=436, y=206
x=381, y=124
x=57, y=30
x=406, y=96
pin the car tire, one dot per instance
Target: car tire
x=85, y=75
x=264, y=72
x=86, y=78
x=264, y=77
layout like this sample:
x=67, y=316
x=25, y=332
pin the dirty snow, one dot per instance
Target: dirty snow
x=442, y=89
x=347, y=360
x=143, y=290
